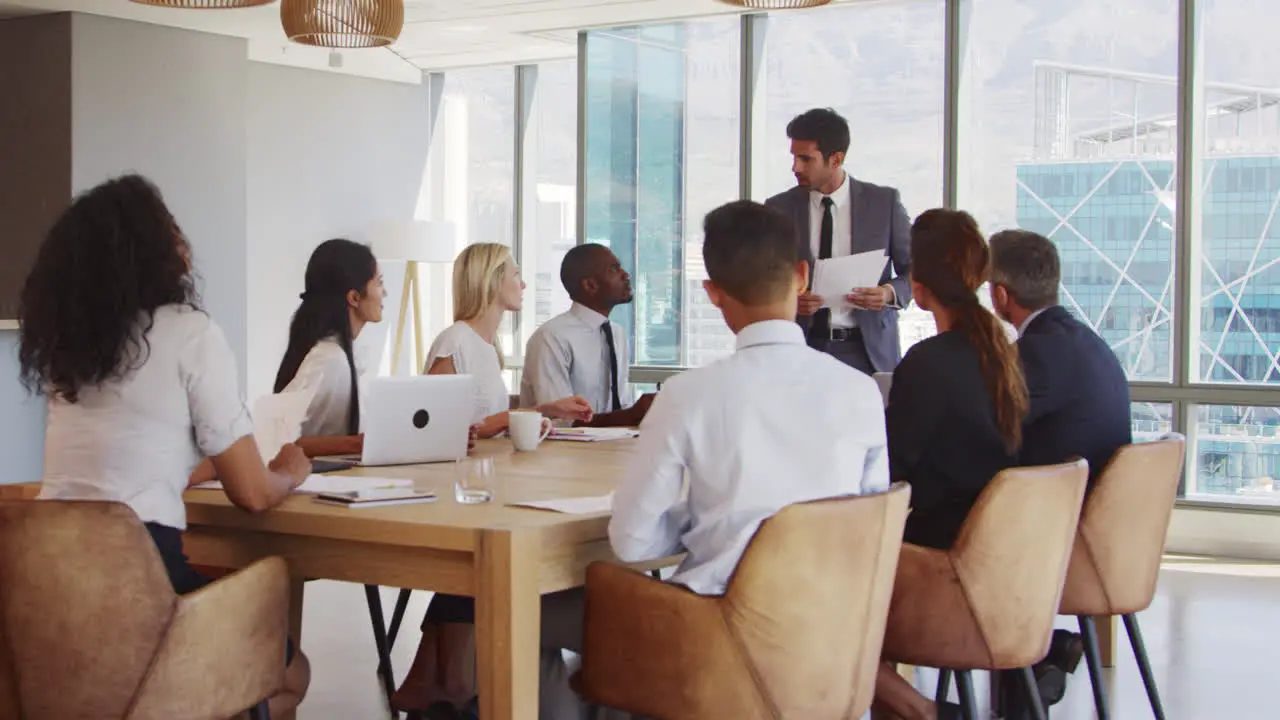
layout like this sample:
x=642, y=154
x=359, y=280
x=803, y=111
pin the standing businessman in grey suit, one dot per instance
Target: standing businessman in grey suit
x=836, y=215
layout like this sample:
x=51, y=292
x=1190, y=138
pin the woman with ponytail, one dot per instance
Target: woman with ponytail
x=958, y=399
x=343, y=293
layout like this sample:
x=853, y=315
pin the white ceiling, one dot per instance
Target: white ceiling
x=438, y=34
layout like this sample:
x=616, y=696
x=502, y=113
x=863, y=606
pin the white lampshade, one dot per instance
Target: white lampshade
x=417, y=240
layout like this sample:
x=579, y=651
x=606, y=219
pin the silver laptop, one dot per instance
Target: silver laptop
x=422, y=419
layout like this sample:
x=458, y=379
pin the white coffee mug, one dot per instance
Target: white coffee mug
x=528, y=429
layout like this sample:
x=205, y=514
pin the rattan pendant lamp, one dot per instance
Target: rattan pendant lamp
x=204, y=4
x=342, y=23
x=775, y=4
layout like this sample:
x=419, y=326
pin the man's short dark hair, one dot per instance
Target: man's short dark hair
x=750, y=252
x=823, y=126
x=579, y=264
x=1027, y=264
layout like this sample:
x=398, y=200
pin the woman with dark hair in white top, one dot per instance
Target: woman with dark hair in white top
x=141, y=384
x=343, y=293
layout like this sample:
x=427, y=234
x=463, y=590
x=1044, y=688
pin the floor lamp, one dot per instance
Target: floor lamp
x=413, y=242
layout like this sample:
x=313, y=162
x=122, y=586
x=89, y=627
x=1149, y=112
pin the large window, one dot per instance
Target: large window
x=881, y=66
x=1239, y=244
x=1066, y=128
x=662, y=150
x=549, y=174
x=1073, y=120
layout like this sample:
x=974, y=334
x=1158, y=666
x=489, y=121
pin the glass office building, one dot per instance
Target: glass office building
x=1105, y=196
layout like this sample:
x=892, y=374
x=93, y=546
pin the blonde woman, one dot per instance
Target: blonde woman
x=486, y=284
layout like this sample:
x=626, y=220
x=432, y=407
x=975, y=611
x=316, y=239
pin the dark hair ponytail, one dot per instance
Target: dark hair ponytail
x=336, y=268
x=950, y=257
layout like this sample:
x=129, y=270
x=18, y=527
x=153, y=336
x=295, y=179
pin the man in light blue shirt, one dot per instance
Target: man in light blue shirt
x=582, y=352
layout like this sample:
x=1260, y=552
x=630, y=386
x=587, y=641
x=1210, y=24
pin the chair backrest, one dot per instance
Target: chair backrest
x=84, y=604
x=809, y=600
x=1011, y=557
x=1123, y=527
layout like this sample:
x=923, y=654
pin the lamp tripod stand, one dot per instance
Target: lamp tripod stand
x=410, y=292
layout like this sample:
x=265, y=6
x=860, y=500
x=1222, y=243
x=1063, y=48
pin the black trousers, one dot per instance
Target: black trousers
x=851, y=351
x=184, y=578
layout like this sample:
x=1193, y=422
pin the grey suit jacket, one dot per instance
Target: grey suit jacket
x=880, y=222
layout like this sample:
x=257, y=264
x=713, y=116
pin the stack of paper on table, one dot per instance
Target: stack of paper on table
x=592, y=434
x=572, y=506
x=316, y=484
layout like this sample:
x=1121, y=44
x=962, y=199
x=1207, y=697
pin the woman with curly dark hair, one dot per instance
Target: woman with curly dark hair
x=141, y=384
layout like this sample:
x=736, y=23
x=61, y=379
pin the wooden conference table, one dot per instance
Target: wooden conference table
x=505, y=557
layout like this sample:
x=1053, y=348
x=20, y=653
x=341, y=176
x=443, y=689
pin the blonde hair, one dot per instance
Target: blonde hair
x=477, y=281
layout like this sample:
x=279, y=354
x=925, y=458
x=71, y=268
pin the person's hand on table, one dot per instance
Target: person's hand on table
x=809, y=304
x=355, y=445
x=875, y=298
x=570, y=408
x=473, y=434
x=292, y=463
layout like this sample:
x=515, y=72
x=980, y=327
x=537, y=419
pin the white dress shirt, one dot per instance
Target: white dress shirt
x=774, y=424
x=473, y=355
x=841, y=239
x=1030, y=319
x=568, y=356
x=325, y=372
x=137, y=439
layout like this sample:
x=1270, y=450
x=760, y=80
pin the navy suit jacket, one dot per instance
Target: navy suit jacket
x=880, y=222
x=1079, y=393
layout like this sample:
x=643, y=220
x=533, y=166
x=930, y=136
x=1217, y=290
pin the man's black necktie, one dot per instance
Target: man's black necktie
x=822, y=318
x=613, y=366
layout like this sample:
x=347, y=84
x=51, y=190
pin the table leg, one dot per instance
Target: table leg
x=1107, y=638
x=508, y=624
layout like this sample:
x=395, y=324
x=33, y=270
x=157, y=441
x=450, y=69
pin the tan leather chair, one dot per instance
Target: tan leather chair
x=796, y=635
x=989, y=602
x=90, y=626
x=1116, y=558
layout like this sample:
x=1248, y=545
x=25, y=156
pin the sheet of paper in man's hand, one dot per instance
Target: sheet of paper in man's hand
x=277, y=419
x=835, y=278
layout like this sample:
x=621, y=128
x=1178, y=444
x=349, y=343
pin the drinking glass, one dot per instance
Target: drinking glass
x=473, y=480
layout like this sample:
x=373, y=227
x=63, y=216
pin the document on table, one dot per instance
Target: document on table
x=835, y=278
x=572, y=506
x=316, y=484
x=592, y=434
x=277, y=419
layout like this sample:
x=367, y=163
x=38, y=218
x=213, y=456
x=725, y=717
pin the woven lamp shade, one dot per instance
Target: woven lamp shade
x=775, y=4
x=204, y=4
x=342, y=23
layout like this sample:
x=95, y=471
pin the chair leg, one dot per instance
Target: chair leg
x=397, y=617
x=1093, y=656
x=260, y=711
x=944, y=686
x=968, y=700
x=380, y=640
x=1032, y=693
x=1144, y=664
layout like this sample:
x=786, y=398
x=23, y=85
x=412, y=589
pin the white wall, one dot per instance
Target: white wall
x=328, y=156
x=22, y=429
x=170, y=104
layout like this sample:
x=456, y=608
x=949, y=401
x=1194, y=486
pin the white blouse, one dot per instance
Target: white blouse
x=325, y=372
x=136, y=440
x=473, y=355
